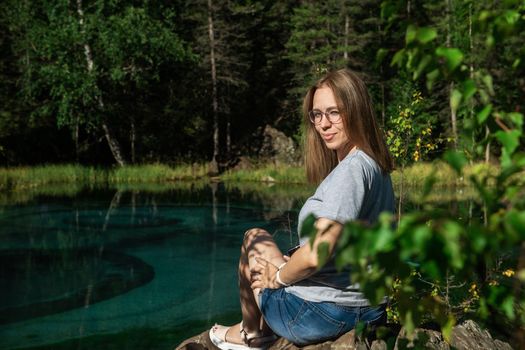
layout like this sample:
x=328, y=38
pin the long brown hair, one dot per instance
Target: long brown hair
x=359, y=122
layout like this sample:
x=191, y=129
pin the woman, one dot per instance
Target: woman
x=289, y=295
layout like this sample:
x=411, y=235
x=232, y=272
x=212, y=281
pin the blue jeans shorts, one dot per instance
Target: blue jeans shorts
x=304, y=322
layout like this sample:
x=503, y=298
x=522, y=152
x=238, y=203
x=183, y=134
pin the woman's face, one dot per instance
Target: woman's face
x=332, y=133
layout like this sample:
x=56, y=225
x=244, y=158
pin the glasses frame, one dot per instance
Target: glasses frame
x=325, y=114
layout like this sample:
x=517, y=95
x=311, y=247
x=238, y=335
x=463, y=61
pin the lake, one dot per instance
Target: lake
x=129, y=268
x=136, y=267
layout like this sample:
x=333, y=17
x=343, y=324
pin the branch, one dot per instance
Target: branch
x=501, y=124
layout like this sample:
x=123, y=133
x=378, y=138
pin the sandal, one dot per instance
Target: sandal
x=252, y=341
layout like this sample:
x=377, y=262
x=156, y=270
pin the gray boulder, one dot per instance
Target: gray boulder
x=278, y=147
x=465, y=336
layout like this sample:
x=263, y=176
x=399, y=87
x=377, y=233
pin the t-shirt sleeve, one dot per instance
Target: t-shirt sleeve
x=344, y=195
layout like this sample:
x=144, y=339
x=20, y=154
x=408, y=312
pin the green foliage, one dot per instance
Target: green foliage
x=151, y=71
x=434, y=264
x=76, y=70
x=330, y=35
x=409, y=133
x=468, y=60
x=311, y=44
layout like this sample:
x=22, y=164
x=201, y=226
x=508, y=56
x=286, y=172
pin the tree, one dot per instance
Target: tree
x=220, y=41
x=331, y=35
x=311, y=45
x=113, y=143
x=430, y=248
x=73, y=60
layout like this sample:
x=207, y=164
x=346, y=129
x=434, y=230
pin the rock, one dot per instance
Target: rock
x=466, y=336
x=469, y=335
x=278, y=147
x=421, y=339
x=243, y=163
x=268, y=178
x=345, y=342
x=198, y=342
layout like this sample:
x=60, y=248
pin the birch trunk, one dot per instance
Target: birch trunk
x=214, y=166
x=114, y=145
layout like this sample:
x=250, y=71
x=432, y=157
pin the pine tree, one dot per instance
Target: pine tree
x=220, y=41
x=332, y=35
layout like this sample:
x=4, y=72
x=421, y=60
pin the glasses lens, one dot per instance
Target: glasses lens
x=315, y=116
x=334, y=116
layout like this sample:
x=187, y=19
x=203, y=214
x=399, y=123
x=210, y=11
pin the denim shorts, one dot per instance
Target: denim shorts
x=304, y=322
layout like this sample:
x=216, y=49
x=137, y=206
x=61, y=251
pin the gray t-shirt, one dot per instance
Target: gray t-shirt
x=355, y=190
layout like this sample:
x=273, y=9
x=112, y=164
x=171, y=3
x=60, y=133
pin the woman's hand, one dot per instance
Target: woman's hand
x=304, y=263
x=263, y=274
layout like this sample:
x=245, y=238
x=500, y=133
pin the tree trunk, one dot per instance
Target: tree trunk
x=132, y=137
x=382, y=81
x=214, y=166
x=347, y=30
x=487, y=148
x=76, y=136
x=383, y=98
x=471, y=75
x=327, y=43
x=453, y=118
x=228, y=136
x=113, y=143
x=453, y=115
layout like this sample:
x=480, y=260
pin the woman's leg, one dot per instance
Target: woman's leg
x=257, y=243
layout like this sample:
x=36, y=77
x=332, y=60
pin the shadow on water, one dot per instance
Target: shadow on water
x=32, y=287
x=135, y=267
x=128, y=267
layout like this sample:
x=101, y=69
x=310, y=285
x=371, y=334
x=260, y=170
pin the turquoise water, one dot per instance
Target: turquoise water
x=129, y=270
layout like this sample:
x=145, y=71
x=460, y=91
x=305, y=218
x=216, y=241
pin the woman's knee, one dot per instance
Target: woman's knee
x=252, y=234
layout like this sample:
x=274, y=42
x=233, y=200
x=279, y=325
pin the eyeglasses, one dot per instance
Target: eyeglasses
x=332, y=115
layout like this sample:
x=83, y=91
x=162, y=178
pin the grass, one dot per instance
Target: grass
x=412, y=176
x=267, y=173
x=156, y=173
x=77, y=176
x=415, y=175
x=24, y=178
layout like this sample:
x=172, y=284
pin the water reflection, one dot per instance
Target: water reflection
x=111, y=261
x=157, y=264
x=43, y=282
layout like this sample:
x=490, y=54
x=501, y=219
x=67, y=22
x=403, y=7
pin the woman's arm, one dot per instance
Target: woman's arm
x=303, y=263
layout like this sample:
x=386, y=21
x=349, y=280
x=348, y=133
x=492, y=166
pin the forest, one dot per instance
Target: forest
x=123, y=82
x=110, y=83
